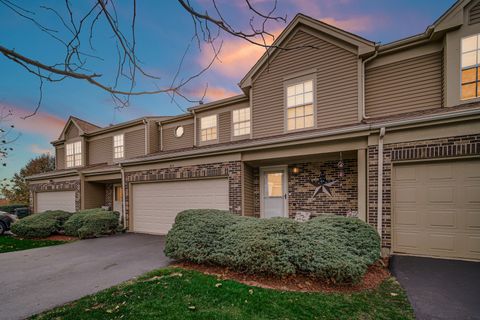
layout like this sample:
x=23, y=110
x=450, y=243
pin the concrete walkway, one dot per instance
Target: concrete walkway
x=438, y=288
x=36, y=280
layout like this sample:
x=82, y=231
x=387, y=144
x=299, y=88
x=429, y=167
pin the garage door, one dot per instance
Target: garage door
x=155, y=205
x=58, y=200
x=436, y=209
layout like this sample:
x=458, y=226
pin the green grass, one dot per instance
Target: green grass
x=174, y=293
x=9, y=243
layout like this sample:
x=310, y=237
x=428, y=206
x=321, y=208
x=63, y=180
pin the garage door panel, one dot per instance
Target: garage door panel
x=55, y=200
x=442, y=217
x=155, y=205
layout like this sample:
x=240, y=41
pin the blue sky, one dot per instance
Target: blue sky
x=164, y=30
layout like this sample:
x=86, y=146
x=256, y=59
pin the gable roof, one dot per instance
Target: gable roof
x=82, y=125
x=363, y=45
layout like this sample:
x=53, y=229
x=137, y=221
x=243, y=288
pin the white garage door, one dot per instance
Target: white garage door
x=436, y=209
x=58, y=200
x=155, y=205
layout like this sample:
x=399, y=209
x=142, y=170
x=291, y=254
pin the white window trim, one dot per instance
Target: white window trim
x=74, y=158
x=243, y=136
x=474, y=99
x=294, y=81
x=206, y=142
x=123, y=145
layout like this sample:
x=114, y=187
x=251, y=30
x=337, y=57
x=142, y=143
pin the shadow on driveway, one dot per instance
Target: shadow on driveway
x=438, y=288
x=36, y=280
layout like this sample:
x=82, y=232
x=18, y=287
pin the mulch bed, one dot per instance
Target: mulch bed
x=58, y=237
x=375, y=275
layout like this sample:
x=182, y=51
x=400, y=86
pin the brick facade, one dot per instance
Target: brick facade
x=452, y=147
x=70, y=185
x=232, y=170
x=109, y=195
x=344, y=193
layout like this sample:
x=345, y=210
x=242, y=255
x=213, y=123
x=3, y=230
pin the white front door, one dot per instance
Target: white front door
x=117, y=198
x=274, y=192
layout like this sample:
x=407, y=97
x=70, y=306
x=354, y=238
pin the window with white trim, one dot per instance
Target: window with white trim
x=118, y=147
x=208, y=128
x=241, y=122
x=300, y=105
x=470, y=67
x=73, y=155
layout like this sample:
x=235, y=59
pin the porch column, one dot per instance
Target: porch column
x=362, y=184
x=82, y=191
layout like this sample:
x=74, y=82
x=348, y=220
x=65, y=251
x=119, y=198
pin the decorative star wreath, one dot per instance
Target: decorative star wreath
x=322, y=185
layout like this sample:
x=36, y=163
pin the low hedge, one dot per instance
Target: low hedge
x=332, y=248
x=92, y=223
x=41, y=225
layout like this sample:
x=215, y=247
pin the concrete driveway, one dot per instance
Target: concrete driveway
x=36, y=280
x=438, y=288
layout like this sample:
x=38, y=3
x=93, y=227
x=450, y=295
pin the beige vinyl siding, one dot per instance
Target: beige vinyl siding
x=248, y=197
x=153, y=136
x=474, y=15
x=404, y=86
x=224, y=126
x=170, y=142
x=336, y=89
x=100, y=151
x=94, y=195
x=60, y=157
x=72, y=132
x=134, y=143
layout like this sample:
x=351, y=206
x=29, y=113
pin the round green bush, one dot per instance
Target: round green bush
x=92, y=223
x=333, y=248
x=41, y=225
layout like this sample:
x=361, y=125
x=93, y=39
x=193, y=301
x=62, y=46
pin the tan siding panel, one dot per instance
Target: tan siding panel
x=248, y=196
x=337, y=85
x=474, y=16
x=410, y=85
x=224, y=124
x=100, y=151
x=94, y=195
x=72, y=132
x=170, y=142
x=153, y=136
x=134, y=143
x=60, y=158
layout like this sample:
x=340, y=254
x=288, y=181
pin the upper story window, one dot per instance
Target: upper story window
x=208, y=128
x=241, y=122
x=300, y=105
x=471, y=67
x=73, y=154
x=118, y=147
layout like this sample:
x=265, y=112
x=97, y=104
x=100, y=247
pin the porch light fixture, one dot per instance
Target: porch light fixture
x=295, y=170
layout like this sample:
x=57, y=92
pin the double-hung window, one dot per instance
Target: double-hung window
x=73, y=154
x=300, y=105
x=208, y=128
x=241, y=122
x=118, y=147
x=470, y=67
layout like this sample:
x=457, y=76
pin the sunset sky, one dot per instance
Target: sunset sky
x=163, y=31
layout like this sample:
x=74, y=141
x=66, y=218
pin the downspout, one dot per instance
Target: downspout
x=123, y=218
x=145, y=122
x=364, y=115
x=380, y=181
x=161, y=135
x=194, y=128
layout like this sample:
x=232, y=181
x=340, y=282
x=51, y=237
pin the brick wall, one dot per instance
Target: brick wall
x=232, y=170
x=70, y=185
x=344, y=192
x=109, y=195
x=444, y=148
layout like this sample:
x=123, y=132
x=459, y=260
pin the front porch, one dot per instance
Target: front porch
x=326, y=183
x=100, y=191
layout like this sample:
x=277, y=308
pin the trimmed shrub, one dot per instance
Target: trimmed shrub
x=333, y=248
x=41, y=225
x=92, y=223
x=197, y=233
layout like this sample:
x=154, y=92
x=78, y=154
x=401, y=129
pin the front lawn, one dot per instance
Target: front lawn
x=10, y=243
x=174, y=293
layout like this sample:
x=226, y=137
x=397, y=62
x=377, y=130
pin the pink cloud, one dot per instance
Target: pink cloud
x=213, y=93
x=354, y=24
x=35, y=148
x=43, y=123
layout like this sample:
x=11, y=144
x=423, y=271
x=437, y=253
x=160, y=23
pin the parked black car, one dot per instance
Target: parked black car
x=7, y=218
